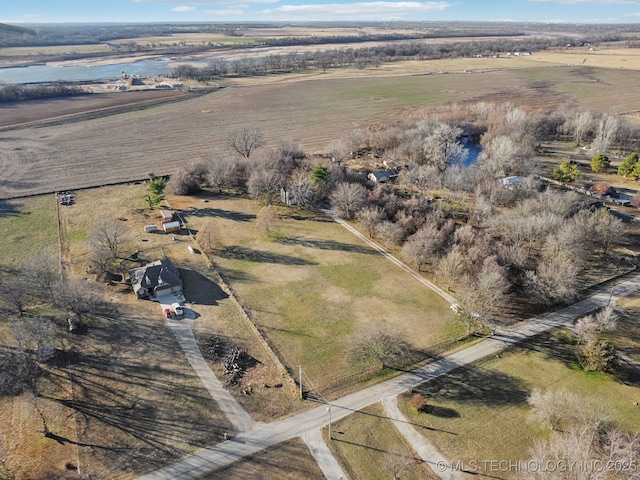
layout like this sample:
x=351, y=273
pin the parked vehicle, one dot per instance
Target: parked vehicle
x=167, y=313
x=177, y=308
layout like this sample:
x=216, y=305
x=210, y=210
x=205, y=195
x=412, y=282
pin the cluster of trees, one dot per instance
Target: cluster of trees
x=263, y=172
x=454, y=222
x=581, y=439
x=38, y=282
x=12, y=92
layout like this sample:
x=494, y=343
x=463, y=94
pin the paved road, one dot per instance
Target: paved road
x=428, y=453
x=227, y=403
x=323, y=456
x=267, y=435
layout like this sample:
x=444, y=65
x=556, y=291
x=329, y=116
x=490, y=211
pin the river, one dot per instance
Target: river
x=72, y=73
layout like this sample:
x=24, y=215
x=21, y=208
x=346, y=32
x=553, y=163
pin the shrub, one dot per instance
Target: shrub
x=600, y=162
x=418, y=402
x=597, y=356
x=565, y=172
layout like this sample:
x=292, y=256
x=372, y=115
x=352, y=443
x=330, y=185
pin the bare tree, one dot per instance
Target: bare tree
x=586, y=328
x=369, y=218
x=245, y=140
x=77, y=297
x=551, y=408
x=267, y=220
x=16, y=293
x=622, y=449
x=485, y=294
x=442, y=146
x=605, y=132
x=348, y=199
x=183, y=183
x=389, y=233
x=603, y=227
x=581, y=125
x=555, y=281
x=426, y=246
x=302, y=188
x=224, y=173
x=577, y=447
x=208, y=236
x=451, y=267
x=31, y=335
x=42, y=270
x=107, y=241
x=264, y=184
x=378, y=342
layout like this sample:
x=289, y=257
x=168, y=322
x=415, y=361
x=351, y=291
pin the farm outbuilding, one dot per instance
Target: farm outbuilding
x=171, y=227
x=384, y=176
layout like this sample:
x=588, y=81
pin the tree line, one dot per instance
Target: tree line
x=18, y=92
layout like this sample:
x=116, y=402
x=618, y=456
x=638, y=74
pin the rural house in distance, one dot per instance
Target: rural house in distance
x=155, y=279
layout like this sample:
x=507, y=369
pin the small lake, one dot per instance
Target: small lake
x=72, y=73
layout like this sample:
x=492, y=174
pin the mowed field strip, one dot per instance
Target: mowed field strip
x=128, y=146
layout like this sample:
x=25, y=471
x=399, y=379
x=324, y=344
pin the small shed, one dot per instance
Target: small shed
x=171, y=227
x=384, y=176
x=513, y=182
x=166, y=215
x=150, y=228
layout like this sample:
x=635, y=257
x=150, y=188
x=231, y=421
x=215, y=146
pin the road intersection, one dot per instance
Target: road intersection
x=263, y=436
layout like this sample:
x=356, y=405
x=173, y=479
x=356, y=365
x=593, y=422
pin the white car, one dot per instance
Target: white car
x=177, y=309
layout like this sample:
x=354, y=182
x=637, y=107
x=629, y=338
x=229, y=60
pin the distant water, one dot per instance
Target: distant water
x=71, y=73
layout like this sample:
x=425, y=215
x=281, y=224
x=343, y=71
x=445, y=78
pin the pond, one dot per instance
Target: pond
x=474, y=150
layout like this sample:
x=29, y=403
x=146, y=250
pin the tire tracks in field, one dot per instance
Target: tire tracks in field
x=107, y=111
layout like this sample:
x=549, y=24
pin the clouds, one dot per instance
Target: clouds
x=383, y=10
x=588, y=2
x=303, y=10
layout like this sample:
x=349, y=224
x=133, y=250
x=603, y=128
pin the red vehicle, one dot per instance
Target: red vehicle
x=167, y=312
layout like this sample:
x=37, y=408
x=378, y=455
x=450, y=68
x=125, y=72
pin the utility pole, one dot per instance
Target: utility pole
x=300, y=376
x=329, y=410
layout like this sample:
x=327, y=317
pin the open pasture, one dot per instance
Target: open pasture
x=481, y=412
x=130, y=145
x=312, y=289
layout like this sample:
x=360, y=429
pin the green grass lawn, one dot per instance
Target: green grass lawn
x=368, y=446
x=29, y=225
x=311, y=289
x=626, y=337
x=480, y=412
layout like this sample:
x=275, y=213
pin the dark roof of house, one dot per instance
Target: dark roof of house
x=387, y=174
x=160, y=273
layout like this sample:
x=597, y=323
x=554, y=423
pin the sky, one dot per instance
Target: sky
x=555, y=11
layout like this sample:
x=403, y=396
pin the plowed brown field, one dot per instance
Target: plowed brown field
x=128, y=146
